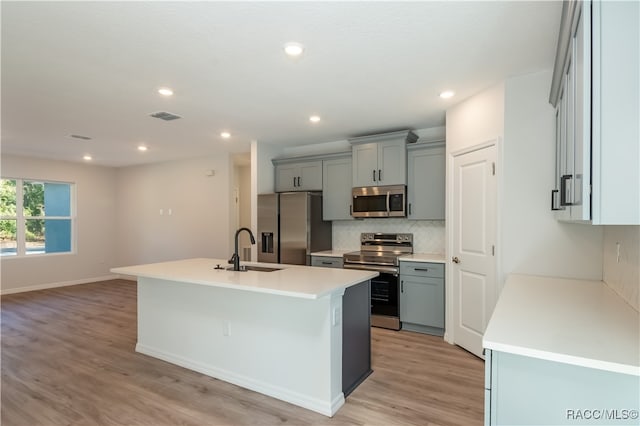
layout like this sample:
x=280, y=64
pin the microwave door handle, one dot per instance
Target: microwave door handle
x=388, y=202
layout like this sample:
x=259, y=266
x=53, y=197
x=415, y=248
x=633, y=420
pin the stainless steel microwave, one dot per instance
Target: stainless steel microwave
x=379, y=201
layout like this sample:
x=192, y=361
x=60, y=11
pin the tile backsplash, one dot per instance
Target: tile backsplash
x=428, y=236
x=622, y=272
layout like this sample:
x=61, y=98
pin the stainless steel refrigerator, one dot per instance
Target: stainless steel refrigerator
x=290, y=227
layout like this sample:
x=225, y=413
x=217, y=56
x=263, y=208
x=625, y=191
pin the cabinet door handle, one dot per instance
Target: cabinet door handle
x=350, y=210
x=299, y=185
x=554, y=200
x=401, y=286
x=421, y=269
x=379, y=175
x=374, y=175
x=327, y=263
x=294, y=181
x=409, y=209
x=563, y=190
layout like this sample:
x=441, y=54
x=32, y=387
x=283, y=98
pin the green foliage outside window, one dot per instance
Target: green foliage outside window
x=34, y=206
x=7, y=208
x=33, y=203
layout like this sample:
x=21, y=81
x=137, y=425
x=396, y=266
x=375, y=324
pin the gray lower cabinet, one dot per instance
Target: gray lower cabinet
x=422, y=297
x=336, y=188
x=523, y=390
x=426, y=181
x=326, y=261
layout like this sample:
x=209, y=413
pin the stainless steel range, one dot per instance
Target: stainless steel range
x=380, y=252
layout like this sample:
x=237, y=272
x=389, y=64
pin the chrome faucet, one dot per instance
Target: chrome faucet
x=235, y=259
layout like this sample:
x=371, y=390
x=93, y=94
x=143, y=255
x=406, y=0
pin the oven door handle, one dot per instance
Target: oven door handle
x=370, y=266
x=393, y=271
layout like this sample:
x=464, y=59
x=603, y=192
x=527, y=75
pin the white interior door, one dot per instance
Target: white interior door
x=473, y=246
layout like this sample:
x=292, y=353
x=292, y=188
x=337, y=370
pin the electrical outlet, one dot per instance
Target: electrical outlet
x=226, y=328
x=336, y=316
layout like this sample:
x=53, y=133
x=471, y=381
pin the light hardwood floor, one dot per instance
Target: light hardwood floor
x=68, y=359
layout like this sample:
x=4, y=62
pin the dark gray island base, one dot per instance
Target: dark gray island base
x=356, y=336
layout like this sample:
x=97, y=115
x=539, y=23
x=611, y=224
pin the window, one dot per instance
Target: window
x=36, y=217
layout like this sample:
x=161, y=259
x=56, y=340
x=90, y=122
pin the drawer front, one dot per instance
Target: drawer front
x=422, y=269
x=326, y=262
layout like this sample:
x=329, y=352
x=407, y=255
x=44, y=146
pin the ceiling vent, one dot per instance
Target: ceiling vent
x=166, y=116
x=84, y=138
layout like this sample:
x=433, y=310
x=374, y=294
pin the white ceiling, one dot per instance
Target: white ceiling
x=93, y=68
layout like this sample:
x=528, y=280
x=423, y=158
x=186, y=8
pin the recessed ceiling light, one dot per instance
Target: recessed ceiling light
x=225, y=135
x=293, y=49
x=165, y=91
x=142, y=148
x=447, y=94
x=87, y=158
x=314, y=118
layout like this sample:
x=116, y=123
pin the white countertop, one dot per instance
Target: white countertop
x=293, y=280
x=575, y=322
x=331, y=253
x=423, y=257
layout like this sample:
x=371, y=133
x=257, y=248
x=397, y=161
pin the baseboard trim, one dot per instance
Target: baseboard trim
x=327, y=408
x=45, y=286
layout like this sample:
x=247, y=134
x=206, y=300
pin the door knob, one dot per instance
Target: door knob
x=455, y=259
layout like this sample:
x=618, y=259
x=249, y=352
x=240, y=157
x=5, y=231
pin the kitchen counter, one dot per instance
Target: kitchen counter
x=300, y=334
x=331, y=253
x=423, y=257
x=291, y=280
x=577, y=322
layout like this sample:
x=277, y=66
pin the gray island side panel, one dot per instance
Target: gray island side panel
x=356, y=336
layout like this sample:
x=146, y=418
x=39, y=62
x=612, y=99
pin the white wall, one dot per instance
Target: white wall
x=244, y=185
x=622, y=273
x=199, y=223
x=476, y=120
x=262, y=178
x=95, y=225
x=533, y=241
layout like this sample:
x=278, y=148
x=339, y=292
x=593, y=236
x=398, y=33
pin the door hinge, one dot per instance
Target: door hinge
x=493, y=250
x=493, y=169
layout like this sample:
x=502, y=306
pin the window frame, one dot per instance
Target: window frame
x=21, y=219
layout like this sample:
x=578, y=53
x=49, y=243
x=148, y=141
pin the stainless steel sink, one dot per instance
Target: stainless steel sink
x=244, y=268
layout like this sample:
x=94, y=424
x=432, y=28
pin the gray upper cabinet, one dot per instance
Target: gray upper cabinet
x=381, y=159
x=336, y=186
x=298, y=175
x=596, y=92
x=426, y=181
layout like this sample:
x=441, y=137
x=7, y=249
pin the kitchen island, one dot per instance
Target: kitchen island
x=298, y=333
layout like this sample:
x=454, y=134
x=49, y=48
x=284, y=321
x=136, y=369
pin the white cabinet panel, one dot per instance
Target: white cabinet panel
x=596, y=91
